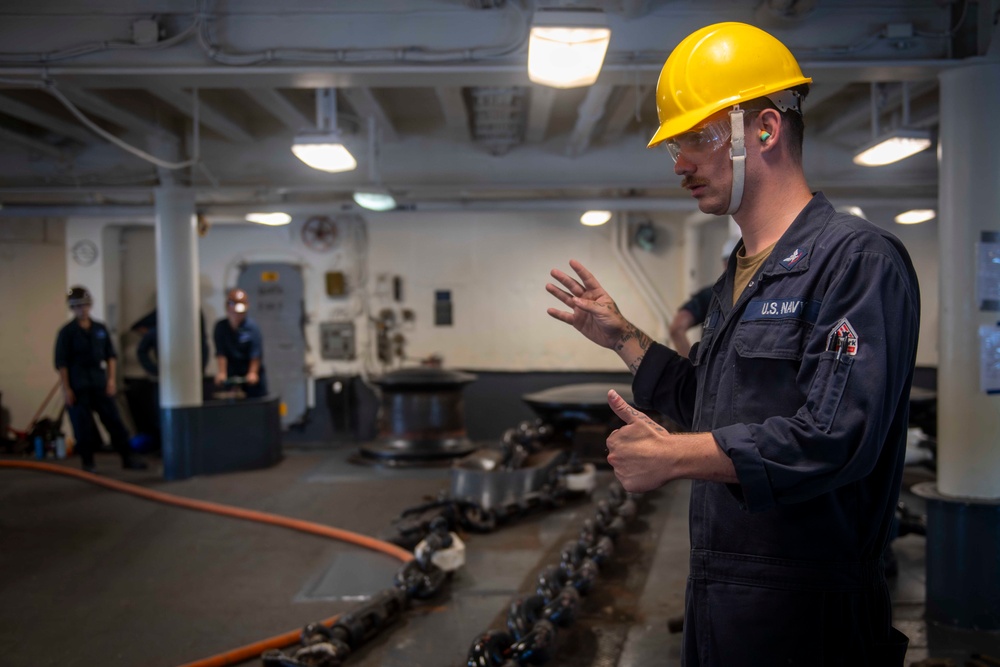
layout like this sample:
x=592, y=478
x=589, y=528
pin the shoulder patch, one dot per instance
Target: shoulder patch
x=843, y=339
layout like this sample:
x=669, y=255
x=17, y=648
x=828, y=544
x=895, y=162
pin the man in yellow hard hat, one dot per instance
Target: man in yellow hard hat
x=797, y=394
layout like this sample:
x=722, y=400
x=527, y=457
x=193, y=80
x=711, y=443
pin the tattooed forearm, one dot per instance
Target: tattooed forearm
x=634, y=366
x=632, y=331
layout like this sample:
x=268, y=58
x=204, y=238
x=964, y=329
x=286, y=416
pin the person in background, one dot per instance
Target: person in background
x=239, y=346
x=146, y=351
x=797, y=395
x=694, y=310
x=86, y=361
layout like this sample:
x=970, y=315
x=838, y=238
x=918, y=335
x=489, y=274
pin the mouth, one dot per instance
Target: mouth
x=696, y=189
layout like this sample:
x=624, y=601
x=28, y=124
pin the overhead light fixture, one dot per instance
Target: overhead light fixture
x=275, y=219
x=897, y=146
x=916, y=216
x=595, y=218
x=375, y=200
x=324, y=149
x=325, y=152
x=566, y=48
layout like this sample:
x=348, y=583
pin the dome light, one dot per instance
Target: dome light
x=275, y=219
x=916, y=216
x=595, y=218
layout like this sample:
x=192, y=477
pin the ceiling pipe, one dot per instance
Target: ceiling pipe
x=344, y=206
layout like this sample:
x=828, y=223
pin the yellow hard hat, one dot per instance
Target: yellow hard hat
x=716, y=67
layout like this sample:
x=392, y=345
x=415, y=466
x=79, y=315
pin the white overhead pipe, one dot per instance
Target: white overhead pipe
x=343, y=206
x=619, y=245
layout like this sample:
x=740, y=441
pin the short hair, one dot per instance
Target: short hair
x=791, y=119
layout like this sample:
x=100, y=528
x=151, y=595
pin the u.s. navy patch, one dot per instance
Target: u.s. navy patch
x=794, y=258
x=843, y=338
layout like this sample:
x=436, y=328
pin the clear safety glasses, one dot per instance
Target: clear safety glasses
x=700, y=143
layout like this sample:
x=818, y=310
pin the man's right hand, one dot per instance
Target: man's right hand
x=595, y=314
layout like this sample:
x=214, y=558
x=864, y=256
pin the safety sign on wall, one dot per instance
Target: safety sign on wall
x=988, y=271
x=989, y=358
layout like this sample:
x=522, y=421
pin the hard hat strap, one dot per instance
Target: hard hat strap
x=738, y=154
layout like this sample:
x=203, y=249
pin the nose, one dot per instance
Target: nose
x=684, y=166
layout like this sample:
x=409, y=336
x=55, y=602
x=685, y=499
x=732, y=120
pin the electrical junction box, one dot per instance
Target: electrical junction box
x=337, y=341
x=145, y=31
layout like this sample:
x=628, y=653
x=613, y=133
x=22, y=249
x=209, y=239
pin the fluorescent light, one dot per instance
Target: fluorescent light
x=899, y=145
x=566, y=48
x=325, y=152
x=275, y=219
x=595, y=218
x=916, y=216
x=856, y=211
x=375, y=200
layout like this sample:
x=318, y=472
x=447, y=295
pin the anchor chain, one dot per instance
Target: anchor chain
x=414, y=523
x=532, y=621
x=418, y=579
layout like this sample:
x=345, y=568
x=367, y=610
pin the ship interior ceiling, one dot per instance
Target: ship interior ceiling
x=430, y=444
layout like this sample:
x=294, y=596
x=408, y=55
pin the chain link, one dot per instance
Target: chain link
x=530, y=636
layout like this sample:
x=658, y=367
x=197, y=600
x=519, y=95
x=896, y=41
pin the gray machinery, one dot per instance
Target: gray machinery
x=421, y=418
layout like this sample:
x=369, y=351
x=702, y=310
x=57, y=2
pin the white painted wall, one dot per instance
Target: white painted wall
x=494, y=263
x=33, y=307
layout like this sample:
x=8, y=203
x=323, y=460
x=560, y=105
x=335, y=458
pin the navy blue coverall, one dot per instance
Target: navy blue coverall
x=804, y=383
x=84, y=353
x=239, y=346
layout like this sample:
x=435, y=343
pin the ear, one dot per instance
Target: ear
x=768, y=129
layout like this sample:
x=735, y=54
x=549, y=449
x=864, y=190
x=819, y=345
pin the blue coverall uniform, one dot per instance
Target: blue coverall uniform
x=239, y=346
x=804, y=383
x=84, y=353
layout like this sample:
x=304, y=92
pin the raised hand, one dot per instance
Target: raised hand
x=594, y=313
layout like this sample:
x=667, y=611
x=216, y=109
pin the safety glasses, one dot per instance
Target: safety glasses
x=700, y=143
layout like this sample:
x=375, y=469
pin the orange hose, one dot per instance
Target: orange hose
x=250, y=650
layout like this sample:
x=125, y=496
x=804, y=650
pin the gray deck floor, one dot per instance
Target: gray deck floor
x=90, y=577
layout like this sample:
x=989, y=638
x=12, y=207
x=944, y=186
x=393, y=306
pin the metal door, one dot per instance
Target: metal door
x=276, y=303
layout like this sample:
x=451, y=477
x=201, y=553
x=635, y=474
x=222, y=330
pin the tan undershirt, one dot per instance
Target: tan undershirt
x=746, y=267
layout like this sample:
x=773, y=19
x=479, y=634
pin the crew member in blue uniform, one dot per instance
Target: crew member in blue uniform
x=85, y=359
x=239, y=347
x=797, y=394
x=694, y=311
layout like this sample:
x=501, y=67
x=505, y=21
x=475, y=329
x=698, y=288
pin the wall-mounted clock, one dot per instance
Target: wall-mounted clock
x=85, y=252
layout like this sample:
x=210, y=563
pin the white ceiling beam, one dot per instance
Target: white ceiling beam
x=415, y=75
x=542, y=99
x=98, y=106
x=624, y=110
x=588, y=115
x=365, y=105
x=30, y=114
x=9, y=136
x=456, y=116
x=214, y=120
x=281, y=108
